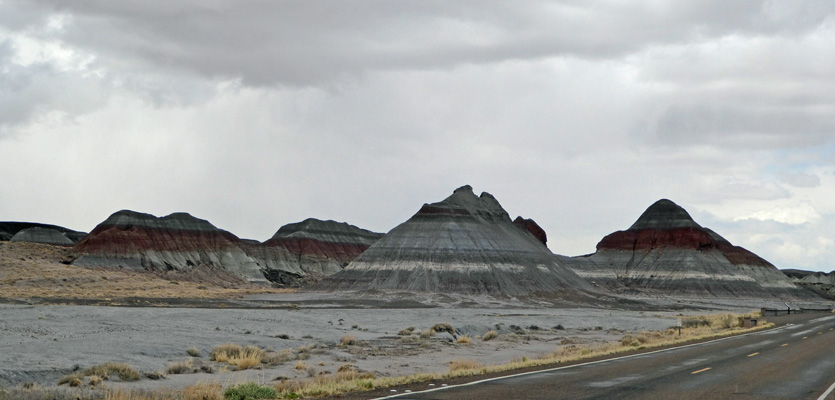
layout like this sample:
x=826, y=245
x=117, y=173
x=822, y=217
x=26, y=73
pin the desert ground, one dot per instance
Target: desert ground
x=58, y=319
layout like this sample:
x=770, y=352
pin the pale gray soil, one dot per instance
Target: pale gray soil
x=42, y=343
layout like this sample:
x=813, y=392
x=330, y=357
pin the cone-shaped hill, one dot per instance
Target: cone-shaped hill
x=312, y=249
x=129, y=239
x=298, y=253
x=666, y=252
x=465, y=244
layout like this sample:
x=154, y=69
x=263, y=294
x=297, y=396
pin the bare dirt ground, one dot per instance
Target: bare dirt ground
x=46, y=331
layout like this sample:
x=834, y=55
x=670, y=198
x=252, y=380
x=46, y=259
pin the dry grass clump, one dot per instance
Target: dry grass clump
x=74, y=380
x=124, y=371
x=326, y=385
x=222, y=353
x=464, y=340
x=489, y=335
x=444, y=327
x=121, y=394
x=180, y=367
x=459, y=365
x=348, y=340
x=192, y=351
x=249, y=357
x=203, y=391
x=272, y=358
x=406, y=332
x=300, y=365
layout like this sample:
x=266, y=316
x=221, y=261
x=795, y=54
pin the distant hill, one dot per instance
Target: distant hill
x=297, y=253
x=39, y=233
x=666, y=252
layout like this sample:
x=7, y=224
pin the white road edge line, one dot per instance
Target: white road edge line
x=827, y=392
x=575, y=365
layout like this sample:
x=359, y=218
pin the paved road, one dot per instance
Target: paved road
x=792, y=362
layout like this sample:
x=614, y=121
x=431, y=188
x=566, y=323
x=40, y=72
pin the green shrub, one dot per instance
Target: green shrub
x=249, y=391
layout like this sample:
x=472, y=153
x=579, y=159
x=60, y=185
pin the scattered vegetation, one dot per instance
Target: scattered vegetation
x=203, y=391
x=348, y=340
x=180, y=367
x=489, y=335
x=406, y=332
x=249, y=391
x=459, y=365
x=101, y=372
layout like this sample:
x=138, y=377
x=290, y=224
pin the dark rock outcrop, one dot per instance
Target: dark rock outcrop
x=464, y=244
x=9, y=229
x=666, y=252
x=532, y=227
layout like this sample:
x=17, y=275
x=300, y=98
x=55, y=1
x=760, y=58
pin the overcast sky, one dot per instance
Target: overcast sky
x=578, y=114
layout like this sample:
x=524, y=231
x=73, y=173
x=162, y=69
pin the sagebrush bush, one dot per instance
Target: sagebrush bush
x=348, y=340
x=180, y=367
x=192, y=351
x=489, y=335
x=249, y=391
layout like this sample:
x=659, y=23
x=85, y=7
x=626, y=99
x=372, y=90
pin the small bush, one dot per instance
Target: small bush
x=247, y=358
x=283, y=336
x=273, y=358
x=73, y=380
x=348, y=340
x=249, y=391
x=192, y=351
x=458, y=365
x=464, y=340
x=123, y=371
x=179, y=367
x=300, y=365
x=559, y=327
x=489, y=335
x=203, y=391
x=346, y=367
x=406, y=332
x=223, y=352
x=444, y=327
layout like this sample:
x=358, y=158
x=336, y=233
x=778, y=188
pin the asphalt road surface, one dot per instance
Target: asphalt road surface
x=796, y=361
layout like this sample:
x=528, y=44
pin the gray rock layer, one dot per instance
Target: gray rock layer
x=463, y=244
x=666, y=252
x=42, y=235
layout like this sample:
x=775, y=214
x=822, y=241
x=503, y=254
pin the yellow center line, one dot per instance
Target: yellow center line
x=701, y=370
x=753, y=354
x=784, y=345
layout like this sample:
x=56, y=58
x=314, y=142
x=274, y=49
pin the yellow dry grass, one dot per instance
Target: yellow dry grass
x=29, y=270
x=203, y=391
x=458, y=365
x=248, y=358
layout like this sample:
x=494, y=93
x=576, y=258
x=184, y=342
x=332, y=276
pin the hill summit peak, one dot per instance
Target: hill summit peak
x=664, y=214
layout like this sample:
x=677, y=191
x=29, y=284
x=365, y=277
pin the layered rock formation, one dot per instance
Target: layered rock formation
x=129, y=239
x=296, y=254
x=311, y=249
x=463, y=244
x=666, y=252
x=822, y=283
x=45, y=232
